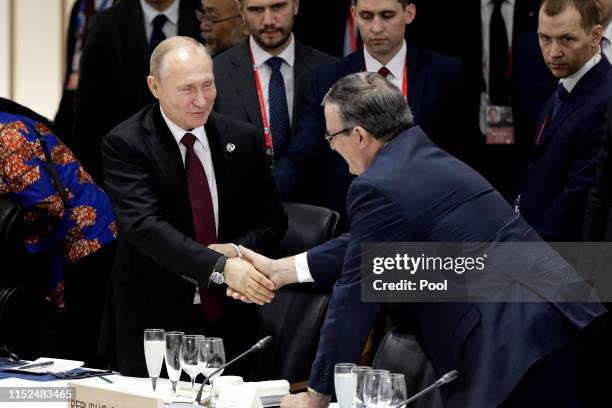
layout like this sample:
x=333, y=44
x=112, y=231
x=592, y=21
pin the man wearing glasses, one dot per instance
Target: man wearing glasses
x=221, y=24
x=268, y=96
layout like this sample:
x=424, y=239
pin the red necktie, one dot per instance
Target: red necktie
x=384, y=71
x=203, y=221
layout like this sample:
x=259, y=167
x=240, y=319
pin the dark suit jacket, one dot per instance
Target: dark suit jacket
x=310, y=171
x=490, y=344
x=597, y=220
x=235, y=82
x=113, y=78
x=158, y=262
x=561, y=168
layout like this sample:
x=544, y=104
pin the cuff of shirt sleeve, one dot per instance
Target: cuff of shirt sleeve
x=236, y=248
x=301, y=267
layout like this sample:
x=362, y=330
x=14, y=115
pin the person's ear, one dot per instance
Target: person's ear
x=153, y=86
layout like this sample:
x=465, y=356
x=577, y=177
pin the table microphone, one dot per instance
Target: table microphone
x=445, y=379
x=258, y=346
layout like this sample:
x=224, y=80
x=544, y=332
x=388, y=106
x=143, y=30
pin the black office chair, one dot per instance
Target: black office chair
x=295, y=316
x=400, y=353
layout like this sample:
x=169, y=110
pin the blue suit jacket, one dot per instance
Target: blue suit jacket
x=561, y=168
x=491, y=344
x=310, y=171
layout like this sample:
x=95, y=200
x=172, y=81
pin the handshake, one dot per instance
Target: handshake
x=252, y=277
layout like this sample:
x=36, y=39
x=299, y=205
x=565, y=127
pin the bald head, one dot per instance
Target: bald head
x=177, y=47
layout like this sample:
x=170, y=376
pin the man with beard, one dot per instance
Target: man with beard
x=221, y=24
x=268, y=96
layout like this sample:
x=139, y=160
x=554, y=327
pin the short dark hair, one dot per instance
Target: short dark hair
x=368, y=100
x=404, y=3
x=586, y=8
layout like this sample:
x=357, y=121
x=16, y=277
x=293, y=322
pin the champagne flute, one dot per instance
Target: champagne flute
x=212, y=356
x=344, y=384
x=361, y=373
x=154, y=345
x=190, y=352
x=174, y=342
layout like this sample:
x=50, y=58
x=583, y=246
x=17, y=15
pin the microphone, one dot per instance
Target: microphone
x=258, y=346
x=445, y=379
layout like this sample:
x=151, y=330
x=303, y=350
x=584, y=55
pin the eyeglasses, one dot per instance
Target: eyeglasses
x=203, y=17
x=329, y=137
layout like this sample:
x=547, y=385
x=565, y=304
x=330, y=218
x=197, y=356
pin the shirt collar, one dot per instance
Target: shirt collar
x=149, y=13
x=178, y=132
x=484, y=3
x=395, y=64
x=570, y=81
x=260, y=56
x=607, y=32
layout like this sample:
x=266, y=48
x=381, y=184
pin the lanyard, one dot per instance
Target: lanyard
x=262, y=109
x=541, y=131
x=404, y=81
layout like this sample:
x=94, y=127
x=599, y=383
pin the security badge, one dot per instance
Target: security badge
x=496, y=122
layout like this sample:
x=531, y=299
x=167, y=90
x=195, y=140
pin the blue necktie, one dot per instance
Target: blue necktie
x=561, y=95
x=157, y=35
x=277, y=102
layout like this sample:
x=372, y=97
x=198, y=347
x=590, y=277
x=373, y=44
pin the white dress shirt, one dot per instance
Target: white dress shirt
x=486, y=11
x=570, y=82
x=395, y=65
x=260, y=56
x=172, y=13
x=606, y=43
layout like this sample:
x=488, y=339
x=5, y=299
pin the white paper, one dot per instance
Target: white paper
x=59, y=365
x=234, y=396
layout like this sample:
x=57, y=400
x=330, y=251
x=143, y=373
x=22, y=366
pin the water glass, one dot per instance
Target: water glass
x=154, y=346
x=398, y=389
x=360, y=377
x=376, y=389
x=174, y=342
x=190, y=353
x=344, y=384
x=212, y=356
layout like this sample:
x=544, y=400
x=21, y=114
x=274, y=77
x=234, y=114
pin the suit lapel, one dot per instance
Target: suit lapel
x=187, y=23
x=302, y=64
x=244, y=80
x=417, y=76
x=139, y=51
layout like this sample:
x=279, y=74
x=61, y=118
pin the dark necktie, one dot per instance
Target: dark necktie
x=157, y=35
x=277, y=104
x=203, y=215
x=561, y=95
x=384, y=71
x=499, y=57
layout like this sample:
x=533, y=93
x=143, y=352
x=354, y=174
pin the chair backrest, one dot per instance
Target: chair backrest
x=9, y=221
x=308, y=226
x=401, y=353
x=295, y=316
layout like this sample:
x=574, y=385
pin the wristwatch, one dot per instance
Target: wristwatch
x=217, y=275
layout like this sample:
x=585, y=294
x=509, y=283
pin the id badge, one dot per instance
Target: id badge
x=498, y=126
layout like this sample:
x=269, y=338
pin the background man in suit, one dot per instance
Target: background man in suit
x=506, y=353
x=561, y=167
x=309, y=171
x=114, y=67
x=269, y=98
x=221, y=24
x=180, y=223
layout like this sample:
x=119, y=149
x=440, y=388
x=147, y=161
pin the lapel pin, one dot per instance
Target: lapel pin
x=230, y=147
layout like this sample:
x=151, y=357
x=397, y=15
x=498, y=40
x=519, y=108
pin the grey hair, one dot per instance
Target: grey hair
x=156, y=64
x=368, y=100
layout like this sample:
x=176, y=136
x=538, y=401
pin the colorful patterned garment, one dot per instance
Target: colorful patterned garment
x=71, y=233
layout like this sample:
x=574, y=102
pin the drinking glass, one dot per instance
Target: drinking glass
x=212, y=356
x=174, y=342
x=190, y=352
x=398, y=389
x=374, y=392
x=154, y=345
x=344, y=383
x=360, y=373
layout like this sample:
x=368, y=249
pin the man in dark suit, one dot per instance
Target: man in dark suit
x=249, y=95
x=309, y=171
x=114, y=67
x=501, y=350
x=179, y=225
x=561, y=166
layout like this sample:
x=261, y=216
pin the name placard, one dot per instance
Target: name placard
x=87, y=396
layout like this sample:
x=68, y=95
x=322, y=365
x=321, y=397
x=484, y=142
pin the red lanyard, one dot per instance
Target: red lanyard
x=405, y=81
x=541, y=131
x=262, y=108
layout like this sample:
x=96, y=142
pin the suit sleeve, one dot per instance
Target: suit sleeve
x=325, y=261
x=349, y=320
x=291, y=173
x=572, y=201
x=600, y=199
x=141, y=217
x=265, y=205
